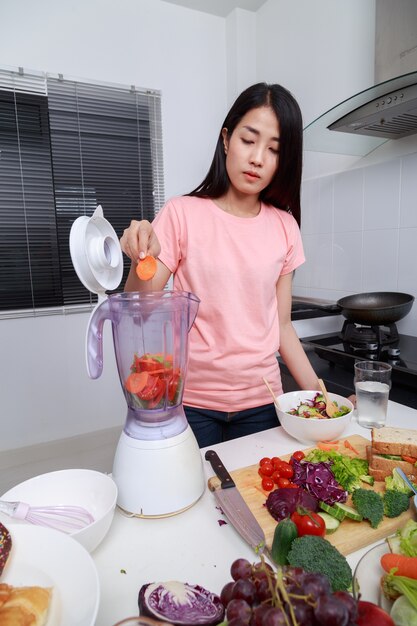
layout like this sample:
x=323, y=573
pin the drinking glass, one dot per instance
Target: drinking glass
x=372, y=385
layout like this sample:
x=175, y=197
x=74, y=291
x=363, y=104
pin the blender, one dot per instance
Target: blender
x=157, y=466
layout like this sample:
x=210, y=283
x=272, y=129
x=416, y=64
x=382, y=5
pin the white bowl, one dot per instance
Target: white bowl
x=94, y=491
x=308, y=429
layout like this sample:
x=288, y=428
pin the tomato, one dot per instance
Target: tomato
x=285, y=470
x=275, y=461
x=264, y=460
x=275, y=477
x=267, y=483
x=283, y=483
x=152, y=389
x=308, y=523
x=147, y=364
x=173, y=383
x=298, y=455
x=267, y=469
x=409, y=459
x=292, y=486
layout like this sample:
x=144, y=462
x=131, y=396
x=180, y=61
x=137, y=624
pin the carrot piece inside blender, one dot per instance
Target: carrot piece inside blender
x=146, y=268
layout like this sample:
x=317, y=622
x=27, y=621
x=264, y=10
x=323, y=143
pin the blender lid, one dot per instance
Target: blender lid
x=96, y=253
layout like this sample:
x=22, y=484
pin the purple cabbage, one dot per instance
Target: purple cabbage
x=180, y=604
x=318, y=479
x=281, y=503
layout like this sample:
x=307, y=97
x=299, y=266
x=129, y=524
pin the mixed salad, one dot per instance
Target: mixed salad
x=154, y=382
x=316, y=408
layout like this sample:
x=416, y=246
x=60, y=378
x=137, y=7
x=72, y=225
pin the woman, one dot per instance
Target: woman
x=235, y=242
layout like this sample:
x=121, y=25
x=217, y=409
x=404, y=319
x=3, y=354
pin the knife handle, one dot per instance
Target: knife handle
x=221, y=472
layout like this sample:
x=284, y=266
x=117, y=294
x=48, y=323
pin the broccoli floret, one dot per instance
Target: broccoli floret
x=315, y=554
x=369, y=504
x=395, y=503
x=369, y=480
x=396, y=483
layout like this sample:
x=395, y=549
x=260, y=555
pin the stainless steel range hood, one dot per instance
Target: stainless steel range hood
x=370, y=118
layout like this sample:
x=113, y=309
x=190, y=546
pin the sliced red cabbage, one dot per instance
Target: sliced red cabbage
x=281, y=503
x=318, y=479
x=180, y=603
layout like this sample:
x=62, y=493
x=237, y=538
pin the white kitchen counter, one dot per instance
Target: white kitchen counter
x=192, y=546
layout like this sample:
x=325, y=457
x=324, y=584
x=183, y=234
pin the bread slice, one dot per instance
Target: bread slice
x=389, y=440
x=381, y=467
x=24, y=606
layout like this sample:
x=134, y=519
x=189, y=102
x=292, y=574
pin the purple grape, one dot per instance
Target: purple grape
x=241, y=568
x=294, y=574
x=237, y=621
x=226, y=593
x=238, y=609
x=263, y=591
x=258, y=614
x=274, y=617
x=304, y=613
x=244, y=589
x=315, y=585
x=350, y=603
x=330, y=611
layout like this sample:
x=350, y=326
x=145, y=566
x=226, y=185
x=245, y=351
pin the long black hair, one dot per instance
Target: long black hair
x=283, y=192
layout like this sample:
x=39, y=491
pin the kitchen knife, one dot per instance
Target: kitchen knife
x=234, y=506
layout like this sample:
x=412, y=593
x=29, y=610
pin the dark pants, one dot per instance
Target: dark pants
x=211, y=427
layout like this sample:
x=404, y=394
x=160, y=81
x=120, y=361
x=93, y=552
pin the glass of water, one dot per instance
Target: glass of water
x=372, y=385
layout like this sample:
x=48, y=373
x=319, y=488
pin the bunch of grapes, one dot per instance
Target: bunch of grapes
x=259, y=596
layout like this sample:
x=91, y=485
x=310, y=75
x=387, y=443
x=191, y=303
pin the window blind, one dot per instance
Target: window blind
x=63, y=152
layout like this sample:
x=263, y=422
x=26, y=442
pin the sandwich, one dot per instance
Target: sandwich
x=391, y=448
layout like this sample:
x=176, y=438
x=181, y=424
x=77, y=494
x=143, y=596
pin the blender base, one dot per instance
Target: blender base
x=158, y=478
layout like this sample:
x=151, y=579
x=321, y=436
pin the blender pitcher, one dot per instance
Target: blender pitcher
x=157, y=466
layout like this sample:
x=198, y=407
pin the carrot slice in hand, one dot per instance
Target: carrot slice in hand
x=146, y=268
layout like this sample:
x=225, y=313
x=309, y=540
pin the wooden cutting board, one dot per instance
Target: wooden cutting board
x=349, y=537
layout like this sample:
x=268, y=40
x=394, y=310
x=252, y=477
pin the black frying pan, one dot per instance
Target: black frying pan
x=379, y=307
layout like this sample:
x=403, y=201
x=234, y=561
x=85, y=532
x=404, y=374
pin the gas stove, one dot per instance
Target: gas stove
x=367, y=343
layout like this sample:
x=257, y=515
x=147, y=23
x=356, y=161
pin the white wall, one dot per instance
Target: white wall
x=45, y=393
x=322, y=51
x=359, y=231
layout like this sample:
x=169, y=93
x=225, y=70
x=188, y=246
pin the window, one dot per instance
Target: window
x=67, y=146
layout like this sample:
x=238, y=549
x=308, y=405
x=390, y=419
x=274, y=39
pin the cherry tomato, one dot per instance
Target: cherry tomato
x=292, y=486
x=275, y=477
x=285, y=470
x=283, y=483
x=298, y=455
x=275, y=461
x=267, y=483
x=308, y=523
x=264, y=460
x=267, y=469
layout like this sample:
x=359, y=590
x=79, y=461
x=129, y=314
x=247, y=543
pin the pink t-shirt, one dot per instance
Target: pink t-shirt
x=232, y=264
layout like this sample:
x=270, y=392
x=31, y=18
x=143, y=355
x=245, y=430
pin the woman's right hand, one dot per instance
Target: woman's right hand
x=140, y=240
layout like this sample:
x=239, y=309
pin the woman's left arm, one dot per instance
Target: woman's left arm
x=290, y=347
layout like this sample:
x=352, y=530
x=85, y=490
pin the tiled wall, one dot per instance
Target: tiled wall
x=359, y=231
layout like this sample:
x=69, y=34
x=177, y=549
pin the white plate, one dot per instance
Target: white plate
x=48, y=558
x=367, y=576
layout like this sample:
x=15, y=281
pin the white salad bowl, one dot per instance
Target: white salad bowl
x=94, y=491
x=310, y=430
